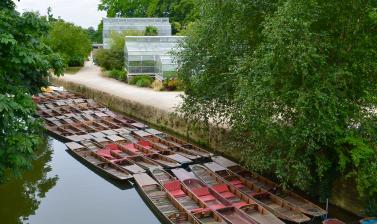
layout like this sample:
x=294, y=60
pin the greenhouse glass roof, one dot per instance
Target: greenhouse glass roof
x=152, y=45
x=121, y=24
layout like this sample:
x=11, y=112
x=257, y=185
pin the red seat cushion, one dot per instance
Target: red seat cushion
x=239, y=186
x=177, y=193
x=217, y=206
x=131, y=147
x=173, y=185
x=144, y=143
x=200, y=191
x=106, y=153
x=220, y=188
x=112, y=146
x=228, y=194
x=208, y=197
x=197, y=210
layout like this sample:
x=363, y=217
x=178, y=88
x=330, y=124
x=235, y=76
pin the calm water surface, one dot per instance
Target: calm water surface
x=61, y=190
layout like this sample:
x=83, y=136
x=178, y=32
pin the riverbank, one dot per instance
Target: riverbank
x=157, y=108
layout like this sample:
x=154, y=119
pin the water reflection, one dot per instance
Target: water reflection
x=21, y=197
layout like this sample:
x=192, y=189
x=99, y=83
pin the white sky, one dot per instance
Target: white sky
x=80, y=12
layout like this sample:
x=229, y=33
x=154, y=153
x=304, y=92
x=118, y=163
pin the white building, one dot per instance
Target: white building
x=121, y=24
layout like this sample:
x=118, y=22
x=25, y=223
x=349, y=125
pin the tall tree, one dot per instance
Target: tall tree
x=25, y=63
x=296, y=82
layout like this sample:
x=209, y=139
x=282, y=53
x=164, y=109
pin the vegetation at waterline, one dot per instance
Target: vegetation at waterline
x=25, y=62
x=70, y=41
x=180, y=12
x=296, y=82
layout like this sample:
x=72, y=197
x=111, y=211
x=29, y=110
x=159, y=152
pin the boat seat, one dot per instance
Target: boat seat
x=145, y=144
x=208, y=197
x=240, y=204
x=259, y=194
x=174, y=187
x=106, y=153
x=131, y=147
x=112, y=146
x=217, y=206
x=235, y=182
x=228, y=194
x=220, y=188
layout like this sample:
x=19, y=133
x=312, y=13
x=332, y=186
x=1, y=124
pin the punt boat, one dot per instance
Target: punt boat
x=144, y=162
x=233, y=195
x=186, y=198
x=212, y=199
x=276, y=205
x=162, y=145
x=163, y=161
x=180, y=143
x=296, y=200
x=98, y=162
x=169, y=209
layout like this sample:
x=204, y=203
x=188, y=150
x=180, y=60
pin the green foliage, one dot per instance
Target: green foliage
x=70, y=41
x=141, y=81
x=25, y=63
x=95, y=36
x=109, y=59
x=118, y=74
x=113, y=58
x=151, y=31
x=296, y=83
x=181, y=11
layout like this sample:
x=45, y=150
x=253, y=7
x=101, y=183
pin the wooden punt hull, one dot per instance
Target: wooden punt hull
x=145, y=163
x=169, y=209
x=234, y=196
x=98, y=162
x=305, y=206
x=180, y=143
x=163, y=161
x=162, y=176
x=191, y=203
x=276, y=205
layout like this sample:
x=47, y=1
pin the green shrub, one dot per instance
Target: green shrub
x=76, y=61
x=109, y=59
x=141, y=81
x=151, y=31
x=118, y=74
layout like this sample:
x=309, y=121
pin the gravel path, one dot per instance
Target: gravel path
x=90, y=76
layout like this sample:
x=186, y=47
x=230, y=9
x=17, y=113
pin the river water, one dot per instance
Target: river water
x=61, y=190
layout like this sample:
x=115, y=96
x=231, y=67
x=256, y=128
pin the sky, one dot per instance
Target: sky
x=80, y=12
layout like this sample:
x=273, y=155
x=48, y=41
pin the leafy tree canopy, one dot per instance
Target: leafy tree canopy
x=296, y=82
x=181, y=11
x=25, y=62
x=70, y=41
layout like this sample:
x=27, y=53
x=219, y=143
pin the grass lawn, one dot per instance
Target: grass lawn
x=72, y=70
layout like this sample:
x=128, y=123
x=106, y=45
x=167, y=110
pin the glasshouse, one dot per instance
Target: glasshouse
x=121, y=24
x=151, y=55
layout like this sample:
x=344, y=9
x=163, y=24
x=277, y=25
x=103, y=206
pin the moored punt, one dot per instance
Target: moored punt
x=162, y=176
x=191, y=202
x=236, y=197
x=296, y=200
x=333, y=221
x=169, y=208
x=275, y=204
x=162, y=145
x=98, y=162
x=180, y=143
x=129, y=166
x=212, y=199
x=163, y=160
x=144, y=162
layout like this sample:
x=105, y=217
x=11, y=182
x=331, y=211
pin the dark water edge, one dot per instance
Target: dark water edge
x=60, y=190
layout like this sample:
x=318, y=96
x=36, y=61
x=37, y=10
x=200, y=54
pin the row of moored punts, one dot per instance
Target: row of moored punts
x=182, y=182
